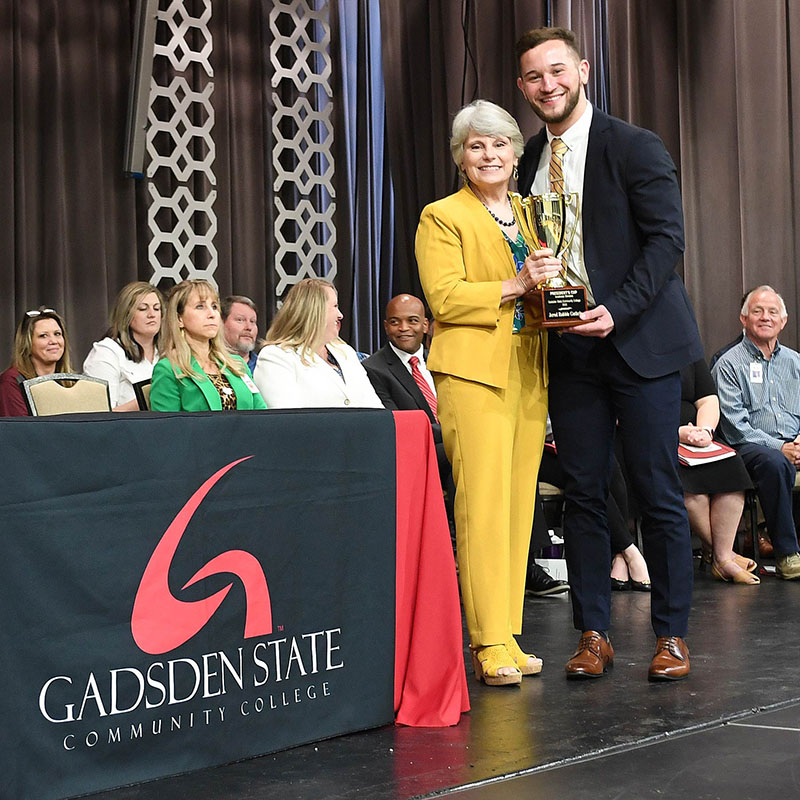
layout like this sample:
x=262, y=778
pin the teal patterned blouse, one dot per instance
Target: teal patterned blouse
x=520, y=252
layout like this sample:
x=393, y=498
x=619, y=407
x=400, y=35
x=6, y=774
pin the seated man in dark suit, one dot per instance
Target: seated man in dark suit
x=400, y=377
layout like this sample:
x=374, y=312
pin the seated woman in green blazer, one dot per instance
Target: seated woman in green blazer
x=197, y=372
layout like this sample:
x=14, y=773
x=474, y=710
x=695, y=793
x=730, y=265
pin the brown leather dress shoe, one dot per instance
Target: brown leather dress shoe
x=671, y=661
x=765, y=548
x=593, y=655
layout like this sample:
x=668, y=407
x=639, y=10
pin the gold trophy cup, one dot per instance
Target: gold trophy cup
x=542, y=219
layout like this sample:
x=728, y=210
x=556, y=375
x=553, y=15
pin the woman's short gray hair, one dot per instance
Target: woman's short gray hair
x=487, y=119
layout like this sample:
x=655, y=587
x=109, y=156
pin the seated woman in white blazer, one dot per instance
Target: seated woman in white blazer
x=304, y=363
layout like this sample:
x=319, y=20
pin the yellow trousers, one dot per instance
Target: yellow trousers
x=494, y=439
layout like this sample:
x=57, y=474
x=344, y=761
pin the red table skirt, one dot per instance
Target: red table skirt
x=430, y=685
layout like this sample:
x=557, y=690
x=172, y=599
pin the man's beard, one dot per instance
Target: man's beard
x=554, y=118
x=243, y=346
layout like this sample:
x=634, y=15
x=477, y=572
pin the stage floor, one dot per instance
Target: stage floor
x=731, y=730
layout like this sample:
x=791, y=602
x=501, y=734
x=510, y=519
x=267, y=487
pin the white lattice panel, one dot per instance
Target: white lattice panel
x=189, y=248
x=302, y=154
x=297, y=239
x=313, y=166
x=189, y=39
x=302, y=55
x=185, y=138
x=181, y=149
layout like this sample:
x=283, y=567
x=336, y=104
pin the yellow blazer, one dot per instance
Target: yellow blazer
x=463, y=260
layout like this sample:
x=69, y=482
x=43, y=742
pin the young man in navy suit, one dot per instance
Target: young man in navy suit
x=620, y=367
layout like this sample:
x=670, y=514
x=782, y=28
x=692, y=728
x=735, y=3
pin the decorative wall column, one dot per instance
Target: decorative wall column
x=302, y=147
x=180, y=147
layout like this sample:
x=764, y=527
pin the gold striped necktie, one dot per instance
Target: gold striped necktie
x=557, y=150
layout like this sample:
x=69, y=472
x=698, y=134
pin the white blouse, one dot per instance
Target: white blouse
x=107, y=360
x=286, y=382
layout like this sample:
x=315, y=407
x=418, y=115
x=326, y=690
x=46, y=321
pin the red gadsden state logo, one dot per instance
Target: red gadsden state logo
x=160, y=622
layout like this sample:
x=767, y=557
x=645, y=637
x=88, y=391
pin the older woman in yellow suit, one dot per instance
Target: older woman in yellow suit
x=489, y=367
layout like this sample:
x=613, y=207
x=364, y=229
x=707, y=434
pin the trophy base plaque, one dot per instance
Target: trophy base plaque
x=557, y=307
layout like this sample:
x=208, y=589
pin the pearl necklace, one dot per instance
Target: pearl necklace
x=501, y=221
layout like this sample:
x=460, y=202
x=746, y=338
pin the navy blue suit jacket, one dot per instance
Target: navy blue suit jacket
x=632, y=240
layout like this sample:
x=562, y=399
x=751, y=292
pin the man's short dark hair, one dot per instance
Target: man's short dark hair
x=225, y=308
x=537, y=36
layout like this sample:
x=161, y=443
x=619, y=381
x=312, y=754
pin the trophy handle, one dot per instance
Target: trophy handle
x=523, y=213
x=569, y=199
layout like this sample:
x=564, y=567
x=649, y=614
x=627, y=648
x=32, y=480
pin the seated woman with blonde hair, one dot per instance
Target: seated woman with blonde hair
x=304, y=363
x=40, y=348
x=129, y=350
x=197, y=372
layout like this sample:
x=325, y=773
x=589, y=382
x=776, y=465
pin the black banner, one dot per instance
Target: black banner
x=187, y=590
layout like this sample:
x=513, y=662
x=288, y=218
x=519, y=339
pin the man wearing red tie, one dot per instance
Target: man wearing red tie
x=398, y=372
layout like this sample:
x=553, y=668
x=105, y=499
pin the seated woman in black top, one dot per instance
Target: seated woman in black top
x=713, y=493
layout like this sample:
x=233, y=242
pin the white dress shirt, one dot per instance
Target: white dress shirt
x=576, y=138
x=107, y=360
x=406, y=357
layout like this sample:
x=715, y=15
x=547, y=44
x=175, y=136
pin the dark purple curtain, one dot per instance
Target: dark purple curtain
x=437, y=56
x=71, y=236
x=692, y=72
x=75, y=228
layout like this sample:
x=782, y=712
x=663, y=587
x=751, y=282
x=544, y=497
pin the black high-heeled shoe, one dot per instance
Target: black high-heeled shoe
x=620, y=586
x=640, y=586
